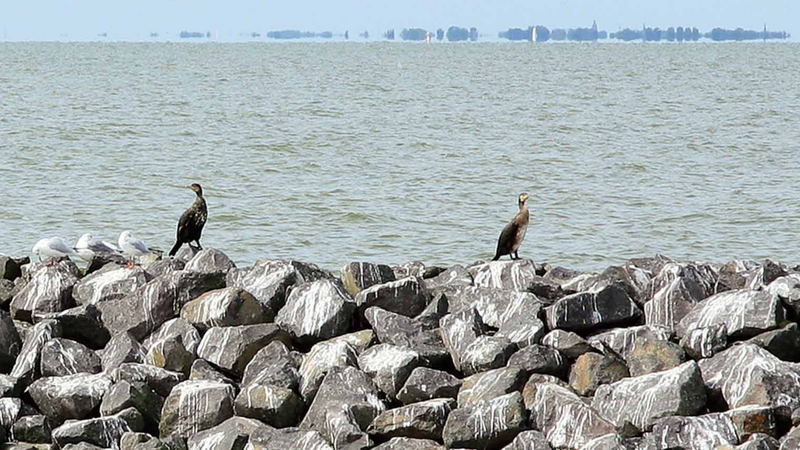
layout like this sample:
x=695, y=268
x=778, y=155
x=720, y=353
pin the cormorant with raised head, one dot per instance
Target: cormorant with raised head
x=192, y=221
x=514, y=233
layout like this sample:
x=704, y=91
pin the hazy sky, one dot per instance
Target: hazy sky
x=83, y=19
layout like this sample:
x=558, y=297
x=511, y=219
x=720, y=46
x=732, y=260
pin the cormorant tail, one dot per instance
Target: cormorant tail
x=175, y=248
x=496, y=257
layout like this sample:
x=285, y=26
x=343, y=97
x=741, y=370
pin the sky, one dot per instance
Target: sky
x=135, y=20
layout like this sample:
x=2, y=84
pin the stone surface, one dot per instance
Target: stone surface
x=357, y=276
x=753, y=419
x=454, y=276
x=268, y=438
x=189, y=336
x=160, y=380
x=210, y=260
x=592, y=370
x=529, y=440
x=488, y=425
x=10, y=268
x=540, y=359
x=423, y=420
x=407, y=297
x=787, y=289
x=744, y=313
x=389, y=366
x=426, y=384
x=104, y=432
x=124, y=395
x=71, y=396
x=320, y=360
x=232, y=348
x=170, y=353
x=231, y=434
x=459, y=330
x=122, y=348
x=203, y=370
x=10, y=342
x=194, y=406
x=225, y=307
x=33, y=429
x=272, y=405
x=60, y=357
x=10, y=409
x=112, y=282
x=82, y=324
x=26, y=366
x=403, y=443
x=10, y=386
x=49, y=290
x=784, y=343
x=267, y=282
x=317, y=311
x=586, y=311
x=565, y=419
x=486, y=353
x=514, y=275
x=705, y=342
x=654, y=355
x=609, y=442
x=402, y=331
x=622, y=340
x=567, y=343
x=746, y=374
x=272, y=365
x=489, y=385
x=639, y=402
x=692, y=433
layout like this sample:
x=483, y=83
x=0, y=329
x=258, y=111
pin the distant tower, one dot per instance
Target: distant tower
x=533, y=33
x=594, y=25
x=347, y=35
x=764, y=35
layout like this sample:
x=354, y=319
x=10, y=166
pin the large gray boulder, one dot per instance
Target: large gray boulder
x=403, y=443
x=232, y=434
x=82, y=324
x=654, y=355
x=268, y=438
x=210, y=260
x=10, y=409
x=232, y=348
x=225, y=307
x=567, y=343
x=640, y=401
x=746, y=374
x=171, y=329
x=787, y=289
x=49, y=290
x=500, y=421
x=160, y=380
x=672, y=302
x=459, y=330
x=389, y=366
x=273, y=365
x=10, y=342
x=203, y=370
x=104, y=432
x=424, y=420
x=705, y=342
x=317, y=311
x=112, y=282
x=585, y=311
x=173, y=346
x=348, y=390
x=196, y=405
x=60, y=357
x=71, y=396
x=486, y=353
x=454, y=276
x=565, y=419
x=622, y=340
x=489, y=385
x=10, y=386
x=272, y=405
x=402, y=331
x=10, y=267
x=407, y=297
x=122, y=348
x=124, y=395
x=34, y=429
x=426, y=384
x=540, y=359
x=149, y=306
x=27, y=366
x=320, y=360
x=710, y=431
x=592, y=370
x=513, y=275
x=357, y=276
x=267, y=282
x=744, y=313
x=784, y=342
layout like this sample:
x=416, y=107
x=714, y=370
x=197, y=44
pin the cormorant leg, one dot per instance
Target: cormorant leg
x=199, y=247
x=516, y=253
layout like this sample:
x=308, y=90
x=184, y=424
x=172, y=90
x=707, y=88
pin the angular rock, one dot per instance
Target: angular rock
x=267, y=282
x=746, y=374
x=514, y=314
x=403, y=443
x=743, y=313
x=540, y=359
x=705, y=342
x=490, y=385
x=784, y=343
x=585, y=311
x=320, y=360
x=317, y=311
x=402, y=331
x=7, y=292
x=60, y=357
x=639, y=402
x=513, y=275
x=486, y=353
x=10, y=409
x=275, y=406
x=71, y=396
x=171, y=354
x=437, y=308
x=232, y=434
x=792, y=439
x=195, y=406
x=10, y=342
x=567, y=343
x=100, y=260
x=112, y=282
x=34, y=429
x=634, y=280
x=130, y=439
x=389, y=366
x=104, y=432
x=424, y=420
x=500, y=419
x=357, y=276
x=564, y=419
x=48, y=291
x=190, y=337
x=10, y=267
x=426, y=384
x=82, y=446
x=360, y=340
x=210, y=260
x=529, y=440
x=454, y=276
x=459, y=330
x=82, y=324
x=592, y=370
x=124, y=395
x=673, y=302
x=225, y=307
x=343, y=430
x=160, y=380
x=10, y=386
x=122, y=348
x=202, y=370
x=268, y=438
x=760, y=442
x=26, y=366
x=164, y=266
x=407, y=297
x=344, y=389
x=768, y=272
x=622, y=340
x=608, y=442
x=787, y=289
x=529, y=391
x=654, y=355
x=752, y=420
x=158, y=301
x=231, y=348
x=272, y=365
x=692, y=433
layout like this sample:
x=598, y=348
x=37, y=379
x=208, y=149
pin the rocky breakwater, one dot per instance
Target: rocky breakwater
x=197, y=353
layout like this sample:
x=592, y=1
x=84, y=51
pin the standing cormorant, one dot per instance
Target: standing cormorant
x=514, y=233
x=192, y=221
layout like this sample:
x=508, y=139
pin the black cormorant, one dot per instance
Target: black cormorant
x=514, y=233
x=190, y=226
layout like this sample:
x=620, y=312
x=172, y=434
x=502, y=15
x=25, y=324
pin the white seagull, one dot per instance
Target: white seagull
x=87, y=247
x=132, y=246
x=52, y=248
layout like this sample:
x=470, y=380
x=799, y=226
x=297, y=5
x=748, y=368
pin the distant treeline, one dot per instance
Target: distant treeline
x=453, y=34
x=294, y=34
x=541, y=33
